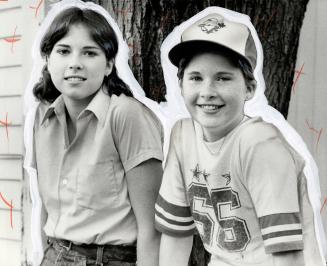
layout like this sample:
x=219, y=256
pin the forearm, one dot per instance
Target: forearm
x=175, y=251
x=44, y=216
x=148, y=249
x=290, y=258
x=143, y=182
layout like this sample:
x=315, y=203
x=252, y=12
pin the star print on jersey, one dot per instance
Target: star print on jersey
x=205, y=175
x=227, y=177
x=196, y=172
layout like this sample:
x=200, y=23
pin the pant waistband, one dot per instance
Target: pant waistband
x=110, y=252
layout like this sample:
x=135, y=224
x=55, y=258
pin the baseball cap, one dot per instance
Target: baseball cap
x=216, y=31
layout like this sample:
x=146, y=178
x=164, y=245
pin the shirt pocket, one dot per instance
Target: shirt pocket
x=96, y=186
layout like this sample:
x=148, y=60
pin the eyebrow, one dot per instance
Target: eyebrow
x=84, y=47
x=194, y=73
x=217, y=73
x=224, y=73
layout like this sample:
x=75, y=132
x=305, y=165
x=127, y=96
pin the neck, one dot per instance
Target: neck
x=73, y=110
x=75, y=107
x=216, y=133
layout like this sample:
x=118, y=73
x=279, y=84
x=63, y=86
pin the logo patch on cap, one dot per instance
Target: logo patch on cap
x=212, y=25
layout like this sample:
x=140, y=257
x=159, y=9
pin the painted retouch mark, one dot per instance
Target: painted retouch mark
x=124, y=11
x=315, y=131
x=133, y=47
x=298, y=74
x=164, y=21
x=37, y=7
x=9, y=205
x=268, y=22
x=12, y=40
x=6, y=124
x=323, y=205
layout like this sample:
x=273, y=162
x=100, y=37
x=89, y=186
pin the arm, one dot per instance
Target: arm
x=290, y=258
x=175, y=251
x=273, y=182
x=44, y=216
x=143, y=182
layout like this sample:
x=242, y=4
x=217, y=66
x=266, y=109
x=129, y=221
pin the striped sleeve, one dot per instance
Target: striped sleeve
x=172, y=219
x=272, y=180
x=172, y=211
x=281, y=232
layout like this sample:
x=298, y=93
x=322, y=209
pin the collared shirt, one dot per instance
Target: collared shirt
x=82, y=183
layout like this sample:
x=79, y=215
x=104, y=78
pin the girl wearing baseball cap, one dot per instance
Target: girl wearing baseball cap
x=236, y=172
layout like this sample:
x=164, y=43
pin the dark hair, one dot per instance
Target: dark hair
x=100, y=31
x=234, y=58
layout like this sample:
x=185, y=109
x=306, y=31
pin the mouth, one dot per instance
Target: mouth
x=74, y=78
x=211, y=107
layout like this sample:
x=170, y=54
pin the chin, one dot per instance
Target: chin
x=208, y=124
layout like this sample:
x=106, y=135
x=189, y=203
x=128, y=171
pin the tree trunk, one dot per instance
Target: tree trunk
x=146, y=23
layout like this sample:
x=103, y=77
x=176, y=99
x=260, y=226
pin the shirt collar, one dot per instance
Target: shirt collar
x=57, y=107
x=99, y=106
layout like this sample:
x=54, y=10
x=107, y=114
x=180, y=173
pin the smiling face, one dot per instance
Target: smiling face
x=77, y=65
x=214, y=91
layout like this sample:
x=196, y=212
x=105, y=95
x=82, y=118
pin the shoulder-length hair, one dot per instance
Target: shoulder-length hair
x=101, y=32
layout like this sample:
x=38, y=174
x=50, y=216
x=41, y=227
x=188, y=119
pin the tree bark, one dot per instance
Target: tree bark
x=146, y=23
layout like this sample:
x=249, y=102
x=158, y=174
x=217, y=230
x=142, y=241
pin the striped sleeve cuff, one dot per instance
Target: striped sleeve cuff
x=172, y=219
x=281, y=232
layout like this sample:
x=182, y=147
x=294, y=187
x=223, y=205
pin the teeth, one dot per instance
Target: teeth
x=75, y=79
x=209, y=107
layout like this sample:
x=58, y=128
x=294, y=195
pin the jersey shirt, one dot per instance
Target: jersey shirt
x=245, y=194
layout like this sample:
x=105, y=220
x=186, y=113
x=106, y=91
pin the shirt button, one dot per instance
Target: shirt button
x=64, y=182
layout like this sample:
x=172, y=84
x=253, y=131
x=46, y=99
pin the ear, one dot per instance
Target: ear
x=250, y=89
x=180, y=83
x=109, y=67
x=47, y=63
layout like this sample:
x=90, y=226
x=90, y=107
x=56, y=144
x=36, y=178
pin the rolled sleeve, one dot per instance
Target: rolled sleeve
x=138, y=133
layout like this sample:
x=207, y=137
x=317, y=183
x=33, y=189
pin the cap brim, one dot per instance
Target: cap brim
x=187, y=48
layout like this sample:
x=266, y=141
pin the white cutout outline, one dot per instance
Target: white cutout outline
x=168, y=112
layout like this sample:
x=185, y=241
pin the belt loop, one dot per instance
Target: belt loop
x=99, y=256
x=62, y=243
x=69, y=246
x=49, y=241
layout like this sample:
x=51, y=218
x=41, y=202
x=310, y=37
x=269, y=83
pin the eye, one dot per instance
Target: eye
x=90, y=53
x=62, y=51
x=223, y=78
x=195, y=78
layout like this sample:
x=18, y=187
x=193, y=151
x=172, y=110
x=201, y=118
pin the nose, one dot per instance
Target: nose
x=209, y=91
x=75, y=63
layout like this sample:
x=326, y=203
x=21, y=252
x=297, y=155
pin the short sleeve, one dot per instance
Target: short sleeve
x=137, y=133
x=271, y=177
x=172, y=211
